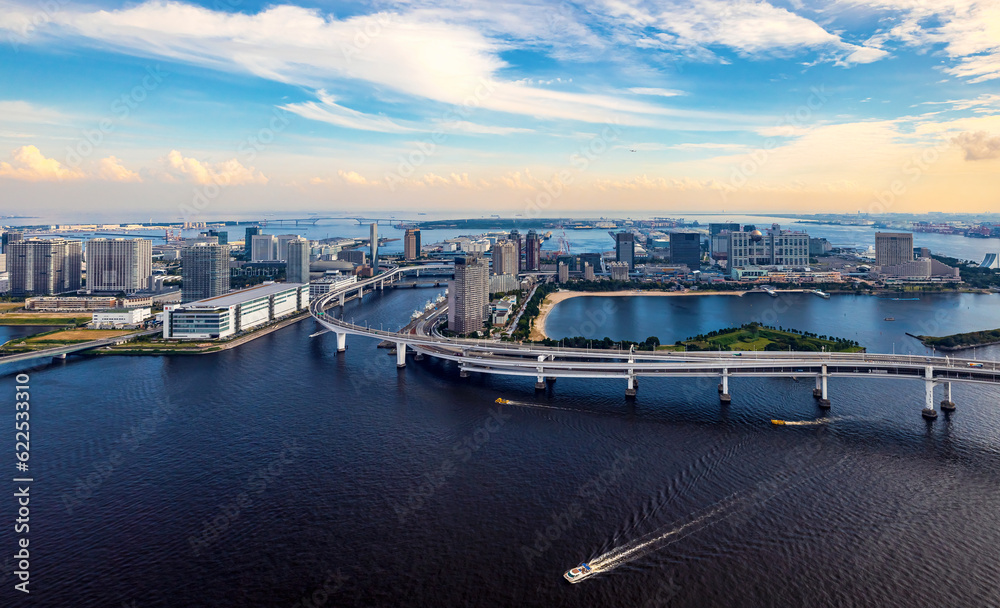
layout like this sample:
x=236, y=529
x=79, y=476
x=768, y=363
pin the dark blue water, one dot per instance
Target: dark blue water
x=860, y=318
x=300, y=472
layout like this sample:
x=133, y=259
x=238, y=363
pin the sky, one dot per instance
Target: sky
x=197, y=111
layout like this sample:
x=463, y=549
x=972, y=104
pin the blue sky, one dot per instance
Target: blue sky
x=533, y=108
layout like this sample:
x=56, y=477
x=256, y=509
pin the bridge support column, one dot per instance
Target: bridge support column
x=361, y=292
x=341, y=342
x=632, y=387
x=60, y=356
x=929, y=412
x=818, y=391
x=540, y=383
x=400, y=354
x=947, y=405
x=342, y=300
x=824, y=400
x=724, y=396
x=418, y=357
x=463, y=373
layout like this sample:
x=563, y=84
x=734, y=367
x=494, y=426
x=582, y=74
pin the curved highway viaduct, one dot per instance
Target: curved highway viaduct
x=544, y=362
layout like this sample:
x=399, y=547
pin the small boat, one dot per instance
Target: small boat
x=778, y=422
x=575, y=575
x=890, y=318
x=502, y=401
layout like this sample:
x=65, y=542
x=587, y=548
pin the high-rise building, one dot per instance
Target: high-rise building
x=569, y=260
x=263, y=248
x=588, y=272
x=283, y=241
x=562, y=272
x=354, y=256
x=411, y=244
x=252, y=231
x=717, y=228
x=893, y=248
x=505, y=258
x=222, y=237
x=373, y=244
x=618, y=270
x=297, y=269
x=115, y=265
x=468, y=295
x=44, y=266
x=594, y=259
x=515, y=237
x=205, y=271
x=685, y=248
x=776, y=248
x=625, y=249
x=533, y=251
x=10, y=236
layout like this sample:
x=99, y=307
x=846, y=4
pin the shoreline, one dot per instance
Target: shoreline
x=550, y=301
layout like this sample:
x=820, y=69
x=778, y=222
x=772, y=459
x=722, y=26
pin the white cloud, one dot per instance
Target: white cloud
x=656, y=91
x=979, y=145
x=226, y=173
x=29, y=164
x=969, y=31
x=353, y=177
x=111, y=169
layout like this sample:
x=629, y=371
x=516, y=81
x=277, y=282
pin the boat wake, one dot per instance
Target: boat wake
x=659, y=539
x=729, y=506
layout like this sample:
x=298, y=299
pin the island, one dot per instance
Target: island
x=986, y=337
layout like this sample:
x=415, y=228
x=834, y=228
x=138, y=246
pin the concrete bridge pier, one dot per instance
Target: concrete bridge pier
x=947, y=405
x=60, y=356
x=418, y=357
x=818, y=391
x=540, y=383
x=632, y=387
x=929, y=412
x=341, y=342
x=342, y=298
x=824, y=400
x=400, y=355
x=464, y=373
x=724, y=396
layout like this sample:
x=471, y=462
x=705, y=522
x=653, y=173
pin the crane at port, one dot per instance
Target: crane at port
x=564, y=243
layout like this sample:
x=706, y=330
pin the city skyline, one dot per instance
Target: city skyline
x=540, y=110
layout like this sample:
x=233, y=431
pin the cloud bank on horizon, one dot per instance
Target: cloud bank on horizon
x=524, y=107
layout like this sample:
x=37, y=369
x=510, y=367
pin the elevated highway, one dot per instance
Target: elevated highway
x=548, y=363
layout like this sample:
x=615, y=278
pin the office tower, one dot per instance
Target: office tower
x=283, y=241
x=588, y=272
x=893, y=248
x=354, y=256
x=411, y=244
x=776, y=248
x=222, y=237
x=533, y=251
x=44, y=266
x=717, y=228
x=505, y=258
x=297, y=269
x=562, y=272
x=515, y=237
x=569, y=260
x=468, y=294
x=264, y=248
x=685, y=248
x=373, y=244
x=205, y=271
x=625, y=249
x=10, y=236
x=115, y=265
x=594, y=259
x=252, y=231
x=618, y=270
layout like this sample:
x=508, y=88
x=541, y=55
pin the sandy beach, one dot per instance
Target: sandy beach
x=538, y=329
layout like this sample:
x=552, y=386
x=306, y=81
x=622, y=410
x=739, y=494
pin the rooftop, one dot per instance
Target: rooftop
x=244, y=295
